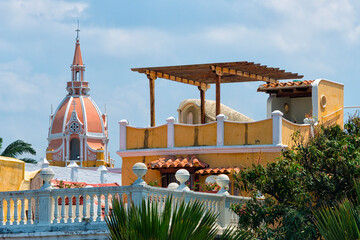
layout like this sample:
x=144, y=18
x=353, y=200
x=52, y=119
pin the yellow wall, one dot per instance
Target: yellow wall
x=12, y=173
x=195, y=135
x=248, y=133
x=289, y=128
x=334, y=94
x=155, y=137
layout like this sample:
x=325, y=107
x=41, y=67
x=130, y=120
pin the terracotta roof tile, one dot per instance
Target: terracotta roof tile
x=177, y=162
x=219, y=170
x=292, y=84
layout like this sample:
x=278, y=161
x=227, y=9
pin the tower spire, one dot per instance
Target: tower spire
x=77, y=70
x=77, y=31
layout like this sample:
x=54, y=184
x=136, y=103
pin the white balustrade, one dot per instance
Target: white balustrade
x=87, y=208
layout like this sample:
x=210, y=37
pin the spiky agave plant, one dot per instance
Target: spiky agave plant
x=341, y=221
x=183, y=222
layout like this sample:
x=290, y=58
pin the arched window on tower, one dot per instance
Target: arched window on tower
x=75, y=149
x=77, y=76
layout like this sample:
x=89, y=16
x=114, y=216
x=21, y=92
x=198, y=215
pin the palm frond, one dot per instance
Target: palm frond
x=164, y=220
x=29, y=160
x=338, y=222
x=232, y=233
x=17, y=148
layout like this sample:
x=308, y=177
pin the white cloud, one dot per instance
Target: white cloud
x=22, y=90
x=31, y=13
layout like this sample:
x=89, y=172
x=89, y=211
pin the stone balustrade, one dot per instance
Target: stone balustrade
x=85, y=209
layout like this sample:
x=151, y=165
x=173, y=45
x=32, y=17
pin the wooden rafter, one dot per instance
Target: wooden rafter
x=177, y=79
x=230, y=71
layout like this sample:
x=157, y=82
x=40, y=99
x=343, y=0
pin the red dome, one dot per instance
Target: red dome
x=87, y=112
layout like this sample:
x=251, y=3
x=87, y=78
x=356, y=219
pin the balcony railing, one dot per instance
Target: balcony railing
x=275, y=131
x=85, y=209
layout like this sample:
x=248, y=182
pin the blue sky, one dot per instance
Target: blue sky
x=319, y=39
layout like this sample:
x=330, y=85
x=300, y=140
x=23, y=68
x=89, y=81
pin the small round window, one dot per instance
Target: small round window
x=323, y=101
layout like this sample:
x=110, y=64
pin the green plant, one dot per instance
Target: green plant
x=313, y=173
x=18, y=148
x=341, y=221
x=181, y=222
x=208, y=186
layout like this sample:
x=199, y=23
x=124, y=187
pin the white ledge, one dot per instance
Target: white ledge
x=200, y=150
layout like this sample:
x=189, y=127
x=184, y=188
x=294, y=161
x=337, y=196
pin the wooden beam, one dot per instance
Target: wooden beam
x=202, y=104
x=175, y=78
x=230, y=71
x=152, y=78
x=218, y=82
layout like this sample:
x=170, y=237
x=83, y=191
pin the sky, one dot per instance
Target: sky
x=318, y=39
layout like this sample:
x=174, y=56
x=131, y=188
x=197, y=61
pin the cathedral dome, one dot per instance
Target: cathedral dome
x=78, y=130
x=85, y=111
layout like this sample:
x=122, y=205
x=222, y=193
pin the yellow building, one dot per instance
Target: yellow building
x=224, y=146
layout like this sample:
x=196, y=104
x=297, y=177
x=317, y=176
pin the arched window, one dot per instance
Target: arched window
x=75, y=149
x=77, y=77
x=190, y=118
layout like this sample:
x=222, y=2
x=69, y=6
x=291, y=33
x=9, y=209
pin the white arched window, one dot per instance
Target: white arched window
x=190, y=118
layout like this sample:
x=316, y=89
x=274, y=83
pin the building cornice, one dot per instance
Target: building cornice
x=201, y=150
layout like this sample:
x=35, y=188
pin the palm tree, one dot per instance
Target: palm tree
x=17, y=148
x=341, y=221
x=183, y=222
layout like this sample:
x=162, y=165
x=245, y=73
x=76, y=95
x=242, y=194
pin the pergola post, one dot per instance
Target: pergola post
x=218, y=83
x=152, y=78
x=202, y=103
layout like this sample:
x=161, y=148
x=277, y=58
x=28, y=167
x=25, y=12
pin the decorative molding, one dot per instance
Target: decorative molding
x=201, y=150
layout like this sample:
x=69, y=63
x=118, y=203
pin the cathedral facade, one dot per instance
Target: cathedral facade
x=78, y=130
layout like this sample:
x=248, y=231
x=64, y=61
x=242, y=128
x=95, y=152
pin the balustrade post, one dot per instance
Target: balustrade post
x=63, y=199
x=224, y=216
x=220, y=129
x=277, y=127
x=123, y=123
x=77, y=210
x=170, y=132
x=16, y=214
x=98, y=218
x=1, y=211
x=8, y=215
x=23, y=219
x=91, y=219
x=44, y=207
x=30, y=212
x=56, y=209
x=84, y=207
x=138, y=194
x=70, y=220
x=106, y=204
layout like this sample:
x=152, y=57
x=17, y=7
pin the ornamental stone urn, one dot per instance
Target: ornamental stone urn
x=223, y=181
x=182, y=176
x=47, y=174
x=139, y=170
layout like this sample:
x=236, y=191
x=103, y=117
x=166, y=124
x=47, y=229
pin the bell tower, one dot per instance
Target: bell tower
x=78, y=130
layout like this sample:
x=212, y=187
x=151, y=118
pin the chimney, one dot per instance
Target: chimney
x=74, y=171
x=103, y=171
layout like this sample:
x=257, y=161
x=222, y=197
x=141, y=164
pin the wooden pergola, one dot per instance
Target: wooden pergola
x=202, y=75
